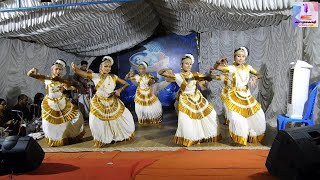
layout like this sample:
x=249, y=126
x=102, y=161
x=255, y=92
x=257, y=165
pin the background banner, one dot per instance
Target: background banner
x=158, y=52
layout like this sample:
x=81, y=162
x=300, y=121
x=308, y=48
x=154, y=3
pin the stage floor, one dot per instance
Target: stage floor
x=152, y=138
x=156, y=165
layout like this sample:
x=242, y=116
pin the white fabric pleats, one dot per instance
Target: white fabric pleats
x=17, y=58
x=100, y=29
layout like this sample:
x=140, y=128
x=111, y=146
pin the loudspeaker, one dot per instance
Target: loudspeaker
x=295, y=154
x=19, y=154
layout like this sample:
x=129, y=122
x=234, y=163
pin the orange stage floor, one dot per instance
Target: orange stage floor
x=152, y=165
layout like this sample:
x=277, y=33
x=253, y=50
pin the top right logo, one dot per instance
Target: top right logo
x=305, y=14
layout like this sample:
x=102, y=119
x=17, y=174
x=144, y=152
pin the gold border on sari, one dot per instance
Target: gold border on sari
x=61, y=116
x=187, y=142
x=246, y=112
x=103, y=112
x=65, y=141
x=150, y=121
x=195, y=106
x=99, y=144
x=238, y=139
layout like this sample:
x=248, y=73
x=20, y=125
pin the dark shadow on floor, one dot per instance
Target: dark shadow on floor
x=53, y=168
x=262, y=176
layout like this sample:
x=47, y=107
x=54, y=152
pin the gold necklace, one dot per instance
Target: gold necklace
x=186, y=73
x=241, y=77
x=190, y=81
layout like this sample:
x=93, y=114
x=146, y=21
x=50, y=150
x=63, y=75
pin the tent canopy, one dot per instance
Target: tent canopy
x=99, y=29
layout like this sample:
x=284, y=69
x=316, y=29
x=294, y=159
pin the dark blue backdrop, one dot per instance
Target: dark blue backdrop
x=159, y=52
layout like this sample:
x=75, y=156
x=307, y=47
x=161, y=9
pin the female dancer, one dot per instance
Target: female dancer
x=197, y=120
x=109, y=119
x=224, y=78
x=147, y=106
x=62, y=122
x=247, y=119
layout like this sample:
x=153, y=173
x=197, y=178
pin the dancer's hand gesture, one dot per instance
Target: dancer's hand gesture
x=33, y=71
x=117, y=92
x=74, y=67
x=253, y=81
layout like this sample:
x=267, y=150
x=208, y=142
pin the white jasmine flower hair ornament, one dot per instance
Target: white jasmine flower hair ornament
x=60, y=62
x=144, y=64
x=243, y=49
x=189, y=56
x=108, y=58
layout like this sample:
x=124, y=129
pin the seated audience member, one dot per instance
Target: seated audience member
x=21, y=106
x=35, y=108
x=9, y=125
x=3, y=113
x=20, y=112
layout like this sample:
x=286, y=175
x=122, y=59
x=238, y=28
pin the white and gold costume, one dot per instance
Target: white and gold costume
x=109, y=119
x=224, y=78
x=247, y=119
x=62, y=122
x=197, y=119
x=147, y=106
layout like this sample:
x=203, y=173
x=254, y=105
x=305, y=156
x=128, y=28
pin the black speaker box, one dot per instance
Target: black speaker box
x=295, y=154
x=19, y=154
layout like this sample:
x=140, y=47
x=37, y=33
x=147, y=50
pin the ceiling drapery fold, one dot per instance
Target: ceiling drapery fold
x=93, y=30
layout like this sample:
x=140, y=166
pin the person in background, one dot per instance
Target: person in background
x=21, y=106
x=85, y=88
x=35, y=108
x=5, y=123
x=17, y=116
x=3, y=108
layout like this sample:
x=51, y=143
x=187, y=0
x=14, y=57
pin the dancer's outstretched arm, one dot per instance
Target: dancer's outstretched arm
x=34, y=73
x=220, y=65
x=154, y=78
x=165, y=72
x=130, y=76
x=81, y=73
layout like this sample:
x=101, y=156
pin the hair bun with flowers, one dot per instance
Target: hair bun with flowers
x=189, y=56
x=244, y=50
x=107, y=58
x=143, y=63
x=60, y=62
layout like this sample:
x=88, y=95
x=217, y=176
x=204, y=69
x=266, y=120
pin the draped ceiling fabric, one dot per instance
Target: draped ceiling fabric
x=94, y=30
